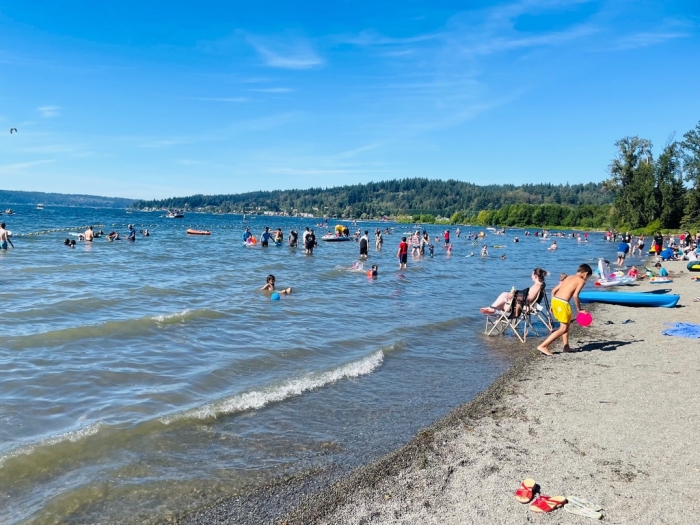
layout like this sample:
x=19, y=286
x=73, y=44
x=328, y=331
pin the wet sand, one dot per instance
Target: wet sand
x=616, y=422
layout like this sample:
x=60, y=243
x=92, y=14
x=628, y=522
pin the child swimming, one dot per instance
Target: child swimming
x=270, y=286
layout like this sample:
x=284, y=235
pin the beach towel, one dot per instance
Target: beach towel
x=687, y=330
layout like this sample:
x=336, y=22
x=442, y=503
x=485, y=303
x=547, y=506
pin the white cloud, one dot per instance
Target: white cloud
x=286, y=53
x=49, y=111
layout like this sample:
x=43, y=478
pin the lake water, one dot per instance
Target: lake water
x=141, y=378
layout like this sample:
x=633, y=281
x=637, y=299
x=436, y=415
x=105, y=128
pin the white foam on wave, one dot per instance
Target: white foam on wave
x=257, y=399
x=167, y=317
x=73, y=436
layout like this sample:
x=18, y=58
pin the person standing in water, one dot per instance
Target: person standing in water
x=364, y=246
x=310, y=242
x=403, y=253
x=292, y=239
x=4, y=237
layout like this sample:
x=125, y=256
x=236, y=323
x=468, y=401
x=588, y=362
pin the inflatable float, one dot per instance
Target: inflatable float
x=630, y=298
x=198, y=232
x=694, y=266
x=335, y=238
x=660, y=280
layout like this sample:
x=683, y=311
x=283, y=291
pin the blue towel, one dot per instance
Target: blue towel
x=688, y=330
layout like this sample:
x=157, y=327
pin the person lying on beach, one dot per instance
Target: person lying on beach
x=532, y=293
x=270, y=286
x=561, y=309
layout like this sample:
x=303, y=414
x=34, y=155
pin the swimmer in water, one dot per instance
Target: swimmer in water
x=270, y=286
x=553, y=246
x=374, y=271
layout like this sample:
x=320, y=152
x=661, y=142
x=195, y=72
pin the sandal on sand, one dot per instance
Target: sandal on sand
x=547, y=504
x=488, y=311
x=524, y=493
x=582, y=511
x=583, y=502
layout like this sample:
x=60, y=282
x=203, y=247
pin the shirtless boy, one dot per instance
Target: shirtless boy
x=4, y=237
x=270, y=286
x=561, y=309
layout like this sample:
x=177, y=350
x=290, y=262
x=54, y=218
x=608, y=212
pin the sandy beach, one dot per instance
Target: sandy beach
x=617, y=422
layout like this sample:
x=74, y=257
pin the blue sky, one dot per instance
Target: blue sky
x=154, y=99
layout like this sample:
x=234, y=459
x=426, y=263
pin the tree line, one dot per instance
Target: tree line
x=62, y=199
x=407, y=197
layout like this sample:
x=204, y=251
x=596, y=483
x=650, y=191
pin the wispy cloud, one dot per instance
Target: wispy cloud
x=646, y=39
x=13, y=168
x=49, y=111
x=162, y=143
x=330, y=171
x=357, y=151
x=273, y=90
x=294, y=53
x=370, y=37
x=220, y=99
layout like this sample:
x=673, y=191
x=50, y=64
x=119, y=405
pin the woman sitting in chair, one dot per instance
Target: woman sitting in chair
x=532, y=293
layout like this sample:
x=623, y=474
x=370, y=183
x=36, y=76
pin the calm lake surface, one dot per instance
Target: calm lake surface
x=148, y=377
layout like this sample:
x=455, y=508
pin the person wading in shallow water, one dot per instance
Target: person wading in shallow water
x=4, y=237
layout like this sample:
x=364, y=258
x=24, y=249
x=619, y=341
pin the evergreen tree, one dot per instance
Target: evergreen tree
x=691, y=165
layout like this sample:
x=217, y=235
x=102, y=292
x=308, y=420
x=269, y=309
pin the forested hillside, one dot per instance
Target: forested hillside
x=61, y=199
x=391, y=198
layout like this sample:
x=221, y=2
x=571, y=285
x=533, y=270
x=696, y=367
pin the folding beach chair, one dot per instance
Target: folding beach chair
x=542, y=312
x=511, y=318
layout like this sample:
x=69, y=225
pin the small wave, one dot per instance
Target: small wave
x=126, y=328
x=176, y=316
x=257, y=399
x=72, y=436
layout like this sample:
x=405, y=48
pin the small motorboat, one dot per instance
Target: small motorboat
x=39, y=206
x=174, y=214
x=9, y=211
x=190, y=231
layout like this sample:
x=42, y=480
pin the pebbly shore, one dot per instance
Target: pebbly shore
x=616, y=421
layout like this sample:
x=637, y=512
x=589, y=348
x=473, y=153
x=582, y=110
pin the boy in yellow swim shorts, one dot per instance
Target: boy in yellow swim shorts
x=561, y=309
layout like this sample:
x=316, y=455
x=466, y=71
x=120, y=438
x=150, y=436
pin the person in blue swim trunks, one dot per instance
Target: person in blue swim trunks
x=4, y=237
